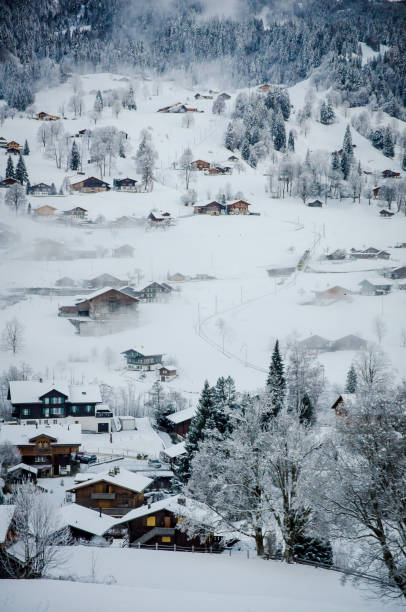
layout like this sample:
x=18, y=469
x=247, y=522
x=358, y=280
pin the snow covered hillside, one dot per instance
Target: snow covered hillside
x=153, y=580
x=224, y=326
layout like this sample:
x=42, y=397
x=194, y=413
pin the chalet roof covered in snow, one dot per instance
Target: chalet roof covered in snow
x=176, y=450
x=182, y=415
x=84, y=519
x=179, y=505
x=23, y=466
x=6, y=516
x=124, y=478
x=20, y=435
x=29, y=392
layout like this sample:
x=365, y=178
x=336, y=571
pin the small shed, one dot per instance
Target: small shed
x=315, y=204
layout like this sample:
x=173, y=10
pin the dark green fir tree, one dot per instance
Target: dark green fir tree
x=74, y=157
x=10, y=173
x=275, y=383
x=21, y=174
x=26, y=149
x=306, y=414
x=351, y=383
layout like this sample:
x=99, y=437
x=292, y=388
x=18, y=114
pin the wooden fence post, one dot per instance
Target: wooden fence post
x=156, y=545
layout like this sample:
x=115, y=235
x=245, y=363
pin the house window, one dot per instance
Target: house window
x=74, y=409
x=46, y=400
x=45, y=412
x=26, y=412
x=166, y=539
x=151, y=521
x=57, y=411
x=88, y=409
x=40, y=459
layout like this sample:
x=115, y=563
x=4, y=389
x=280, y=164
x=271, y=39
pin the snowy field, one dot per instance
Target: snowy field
x=225, y=326
x=178, y=582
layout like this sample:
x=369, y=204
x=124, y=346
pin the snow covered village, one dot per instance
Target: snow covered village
x=203, y=288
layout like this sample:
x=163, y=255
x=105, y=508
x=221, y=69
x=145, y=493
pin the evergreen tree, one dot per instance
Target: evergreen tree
x=313, y=549
x=335, y=162
x=245, y=150
x=26, y=150
x=306, y=411
x=388, y=148
x=404, y=161
x=29, y=209
x=279, y=132
x=21, y=174
x=129, y=100
x=291, y=141
x=121, y=150
x=204, y=417
x=10, y=173
x=53, y=189
x=276, y=383
x=74, y=157
x=225, y=400
x=347, y=145
x=345, y=165
x=330, y=114
x=229, y=139
x=99, y=101
x=377, y=139
x=351, y=384
x=323, y=113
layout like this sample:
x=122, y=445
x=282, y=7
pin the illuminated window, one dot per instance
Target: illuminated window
x=151, y=521
x=166, y=539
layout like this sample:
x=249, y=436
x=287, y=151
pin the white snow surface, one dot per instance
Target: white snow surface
x=22, y=434
x=124, y=478
x=180, y=582
x=91, y=521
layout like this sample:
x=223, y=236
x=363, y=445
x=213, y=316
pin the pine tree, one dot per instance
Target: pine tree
x=121, y=150
x=351, y=384
x=245, y=150
x=99, y=99
x=330, y=114
x=204, y=417
x=404, y=161
x=377, y=139
x=347, y=145
x=279, y=132
x=291, y=141
x=225, y=401
x=229, y=139
x=306, y=412
x=388, y=148
x=129, y=100
x=26, y=150
x=345, y=165
x=10, y=173
x=74, y=157
x=21, y=174
x=323, y=113
x=276, y=383
x=53, y=189
x=335, y=162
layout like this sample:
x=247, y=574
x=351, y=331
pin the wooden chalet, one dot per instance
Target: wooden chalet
x=370, y=253
x=238, y=208
x=332, y=294
x=45, y=211
x=178, y=107
x=49, y=448
x=40, y=189
x=125, y=184
x=337, y=255
x=142, y=363
x=20, y=473
x=105, y=280
x=399, y=272
x=163, y=218
x=77, y=212
x=212, y=208
x=126, y=250
x=375, y=192
x=390, y=174
x=159, y=524
x=3, y=143
x=114, y=493
x=224, y=96
x=264, y=88
x=386, y=214
x=232, y=158
x=154, y=291
x=349, y=343
x=167, y=373
x=315, y=343
x=200, y=164
x=343, y=404
x=91, y=185
x=180, y=421
x=177, y=277
x=368, y=288
x=101, y=304
x=172, y=454
x=14, y=147
x=6, y=530
x=84, y=523
x=42, y=116
x=315, y=204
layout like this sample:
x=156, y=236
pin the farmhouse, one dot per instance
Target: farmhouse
x=171, y=454
x=125, y=250
x=212, y=208
x=316, y=343
x=40, y=189
x=137, y=361
x=177, y=277
x=336, y=255
x=238, y=208
x=200, y=164
x=368, y=288
x=332, y=294
x=386, y=214
x=370, y=253
x=125, y=184
x=181, y=420
x=343, y=403
x=315, y=204
x=349, y=343
x=45, y=211
x=84, y=523
x=77, y=213
x=48, y=447
x=178, y=107
x=115, y=493
x=21, y=473
x=44, y=403
x=154, y=291
x=46, y=117
x=91, y=185
x=8, y=182
x=399, y=272
x=101, y=304
x=159, y=524
x=104, y=280
x=390, y=174
x=14, y=148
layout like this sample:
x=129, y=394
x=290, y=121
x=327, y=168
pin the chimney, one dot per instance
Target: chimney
x=149, y=504
x=100, y=512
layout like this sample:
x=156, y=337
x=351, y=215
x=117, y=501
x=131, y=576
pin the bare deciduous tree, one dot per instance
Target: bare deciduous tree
x=13, y=336
x=15, y=197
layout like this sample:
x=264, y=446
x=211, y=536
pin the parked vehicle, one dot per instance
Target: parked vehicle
x=154, y=463
x=88, y=459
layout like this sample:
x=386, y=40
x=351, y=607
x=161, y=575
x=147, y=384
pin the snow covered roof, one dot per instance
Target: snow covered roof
x=191, y=509
x=6, y=516
x=124, y=478
x=21, y=434
x=29, y=392
x=182, y=415
x=176, y=450
x=23, y=466
x=85, y=519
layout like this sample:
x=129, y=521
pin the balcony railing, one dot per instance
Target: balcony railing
x=103, y=496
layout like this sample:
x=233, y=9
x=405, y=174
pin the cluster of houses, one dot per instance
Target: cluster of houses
x=369, y=253
x=11, y=147
x=216, y=208
x=210, y=169
x=139, y=362
x=346, y=343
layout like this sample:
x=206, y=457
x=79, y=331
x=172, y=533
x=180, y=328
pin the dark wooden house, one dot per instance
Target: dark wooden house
x=40, y=189
x=386, y=214
x=399, y=272
x=212, y=208
x=91, y=185
x=315, y=204
x=238, y=208
x=137, y=361
x=84, y=523
x=105, y=280
x=115, y=493
x=200, y=164
x=104, y=303
x=181, y=420
x=390, y=174
x=166, y=373
x=77, y=212
x=125, y=184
